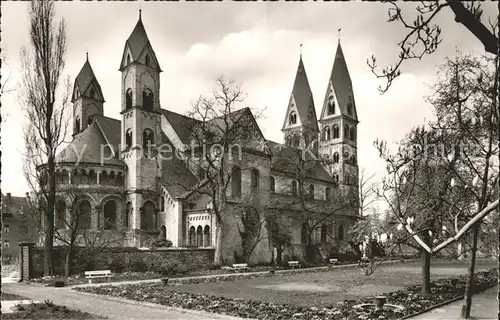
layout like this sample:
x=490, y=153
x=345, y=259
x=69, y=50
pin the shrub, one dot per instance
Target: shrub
x=161, y=243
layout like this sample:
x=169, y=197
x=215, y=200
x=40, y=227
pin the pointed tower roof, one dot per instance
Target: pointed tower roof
x=341, y=82
x=303, y=97
x=83, y=81
x=137, y=42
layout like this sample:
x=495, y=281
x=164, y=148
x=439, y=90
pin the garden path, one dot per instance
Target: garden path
x=484, y=306
x=112, y=308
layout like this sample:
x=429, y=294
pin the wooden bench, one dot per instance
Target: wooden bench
x=240, y=267
x=293, y=264
x=98, y=274
x=334, y=261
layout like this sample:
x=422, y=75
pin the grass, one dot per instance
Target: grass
x=48, y=310
x=10, y=297
x=327, y=288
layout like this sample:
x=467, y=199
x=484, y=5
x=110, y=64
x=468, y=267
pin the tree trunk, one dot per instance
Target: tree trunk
x=68, y=263
x=426, y=272
x=218, y=245
x=48, y=263
x=465, y=314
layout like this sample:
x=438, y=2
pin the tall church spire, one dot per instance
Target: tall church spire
x=138, y=47
x=300, y=119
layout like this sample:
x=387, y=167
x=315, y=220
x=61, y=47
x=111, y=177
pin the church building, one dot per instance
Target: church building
x=119, y=185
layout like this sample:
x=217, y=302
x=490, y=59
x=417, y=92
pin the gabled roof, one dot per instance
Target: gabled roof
x=86, y=148
x=14, y=207
x=176, y=176
x=111, y=128
x=137, y=42
x=303, y=97
x=185, y=126
x=287, y=159
x=340, y=80
x=83, y=80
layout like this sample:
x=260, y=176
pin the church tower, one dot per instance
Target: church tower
x=300, y=127
x=87, y=98
x=141, y=126
x=338, y=125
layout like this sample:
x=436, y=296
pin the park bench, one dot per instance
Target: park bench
x=98, y=274
x=293, y=264
x=334, y=261
x=240, y=267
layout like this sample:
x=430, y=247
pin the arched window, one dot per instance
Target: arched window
x=104, y=178
x=199, y=236
x=148, y=216
x=272, y=185
x=353, y=134
x=192, y=237
x=84, y=178
x=128, y=99
x=109, y=215
x=75, y=177
x=346, y=131
x=128, y=138
x=84, y=215
x=128, y=58
x=293, y=118
x=340, y=232
x=92, y=177
x=89, y=120
x=206, y=235
x=60, y=215
x=77, y=124
x=92, y=92
x=296, y=141
x=163, y=233
x=324, y=233
x=148, y=139
x=112, y=178
x=147, y=100
x=353, y=159
x=294, y=188
x=336, y=157
x=236, y=182
x=326, y=133
x=288, y=141
x=65, y=176
x=331, y=105
x=335, y=178
x=311, y=191
x=346, y=179
x=254, y=179
x=327, y=194
x=349, y=107
x=335, y=131
x=120, y=179
x=127, y=220
x=146, y=59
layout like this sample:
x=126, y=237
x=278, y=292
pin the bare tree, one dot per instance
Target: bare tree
x=42, y=67
x=223, y=138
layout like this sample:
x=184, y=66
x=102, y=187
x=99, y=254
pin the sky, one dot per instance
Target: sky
x=256, y=44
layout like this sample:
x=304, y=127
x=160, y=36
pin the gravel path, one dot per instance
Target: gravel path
x=101, y=305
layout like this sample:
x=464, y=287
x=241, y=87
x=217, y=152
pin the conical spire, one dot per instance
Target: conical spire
x=340, y=85
x=136, y=44
x=83, y=80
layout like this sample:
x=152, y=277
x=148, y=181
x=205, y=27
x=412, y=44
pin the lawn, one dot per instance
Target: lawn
x=326, y=288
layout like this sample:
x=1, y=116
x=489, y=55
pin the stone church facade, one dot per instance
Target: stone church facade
x=119, y=186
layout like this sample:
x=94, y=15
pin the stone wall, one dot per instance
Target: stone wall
x=122, y=259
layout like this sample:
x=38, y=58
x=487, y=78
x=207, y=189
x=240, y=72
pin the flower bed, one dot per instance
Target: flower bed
x=410, y=298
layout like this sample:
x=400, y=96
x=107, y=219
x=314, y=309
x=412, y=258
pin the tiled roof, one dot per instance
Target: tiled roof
x=137, y=40
x=84, y=78
x=86, y=148
x=287, y=159
x=176, y=177
x=111, y=129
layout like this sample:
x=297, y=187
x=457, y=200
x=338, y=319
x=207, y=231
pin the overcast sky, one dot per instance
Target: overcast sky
x=256, y=44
